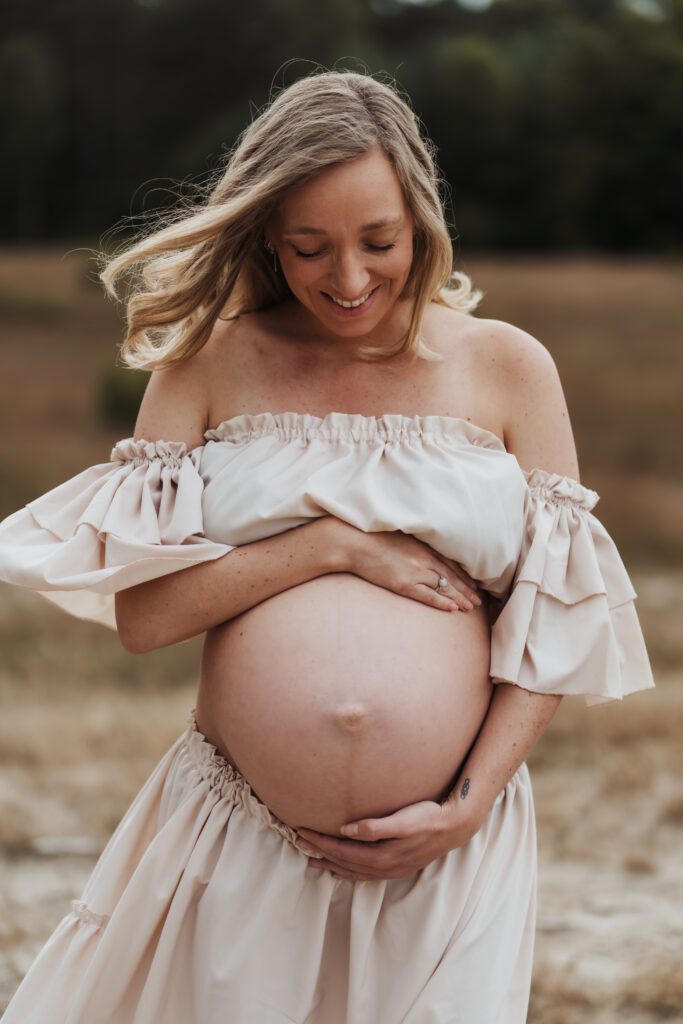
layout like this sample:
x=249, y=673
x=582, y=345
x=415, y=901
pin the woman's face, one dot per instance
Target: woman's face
x=346, y=234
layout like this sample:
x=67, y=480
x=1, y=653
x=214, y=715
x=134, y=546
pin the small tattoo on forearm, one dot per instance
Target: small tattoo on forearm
x=464, y=789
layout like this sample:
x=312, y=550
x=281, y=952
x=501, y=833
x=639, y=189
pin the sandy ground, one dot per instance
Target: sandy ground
x=607, y=784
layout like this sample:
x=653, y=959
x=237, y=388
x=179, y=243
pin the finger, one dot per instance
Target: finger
x=463, y=588
x=457, y=587
x=452, y=564
x=466, y=579
x=457, y=568
x=352, y=865
x=450, y=590
x=375, y=830
x=404, y=822
x=331, y=846
x=338, y=872
x=463, y=574
x=426, y=593
x=354, y=868
x=349, y=853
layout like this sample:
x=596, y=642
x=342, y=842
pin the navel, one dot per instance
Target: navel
x=352, y=717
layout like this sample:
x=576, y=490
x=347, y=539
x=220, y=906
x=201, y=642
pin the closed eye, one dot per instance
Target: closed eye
x=375, y=248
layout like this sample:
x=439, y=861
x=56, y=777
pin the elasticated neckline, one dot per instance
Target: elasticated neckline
x=352, y=426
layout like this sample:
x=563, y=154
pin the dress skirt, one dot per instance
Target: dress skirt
x=203, y=909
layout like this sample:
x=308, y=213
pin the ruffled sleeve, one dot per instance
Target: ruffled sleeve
x=569, y=623
x=112, y=526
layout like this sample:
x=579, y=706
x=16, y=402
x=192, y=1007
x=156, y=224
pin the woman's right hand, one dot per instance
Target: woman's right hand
x=400, y=562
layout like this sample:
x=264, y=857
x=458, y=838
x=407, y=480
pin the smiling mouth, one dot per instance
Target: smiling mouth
x=351, y=303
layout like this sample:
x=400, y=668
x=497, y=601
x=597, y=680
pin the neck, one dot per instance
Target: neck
x=339, y=349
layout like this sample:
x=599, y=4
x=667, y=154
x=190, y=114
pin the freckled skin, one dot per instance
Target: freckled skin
x=338, y=699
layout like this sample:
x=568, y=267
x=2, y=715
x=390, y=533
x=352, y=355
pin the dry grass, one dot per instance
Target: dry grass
x=653, y=993
x=83, y=722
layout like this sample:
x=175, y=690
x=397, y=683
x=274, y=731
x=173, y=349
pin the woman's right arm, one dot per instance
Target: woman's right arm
x=183, y=604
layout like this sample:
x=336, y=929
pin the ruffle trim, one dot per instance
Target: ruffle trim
x=170, y=453
x=560, y=490
x=113, y=526
x=569, y=624
x=229, y=782
x=390, y=428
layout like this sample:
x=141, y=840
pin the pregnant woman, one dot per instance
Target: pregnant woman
x=369, y=502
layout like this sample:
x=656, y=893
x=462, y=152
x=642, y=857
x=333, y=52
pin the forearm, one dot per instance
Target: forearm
x=514, y=723
x=185, y=604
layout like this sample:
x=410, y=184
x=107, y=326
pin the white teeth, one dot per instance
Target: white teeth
x=351, y=305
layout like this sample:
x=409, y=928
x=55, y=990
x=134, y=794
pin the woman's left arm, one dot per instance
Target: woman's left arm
x=414, y=836
x=538, y=432
x=515, y=721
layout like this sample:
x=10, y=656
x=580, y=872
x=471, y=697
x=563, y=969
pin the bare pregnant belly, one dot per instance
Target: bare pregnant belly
x=338, y=699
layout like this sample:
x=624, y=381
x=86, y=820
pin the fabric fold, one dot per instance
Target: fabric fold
x=112, y=526
x=204, y=909
x=569, y=623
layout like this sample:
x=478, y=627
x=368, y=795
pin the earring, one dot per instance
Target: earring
x=274, y=254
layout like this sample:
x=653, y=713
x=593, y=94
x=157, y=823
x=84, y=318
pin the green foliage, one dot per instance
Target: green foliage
x=557, y=122
x=118, y=397
x=34, y=124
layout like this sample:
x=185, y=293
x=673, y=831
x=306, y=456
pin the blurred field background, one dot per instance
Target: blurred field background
x=558, y=127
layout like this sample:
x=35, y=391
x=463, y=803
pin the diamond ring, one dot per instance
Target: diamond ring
x=443, y=582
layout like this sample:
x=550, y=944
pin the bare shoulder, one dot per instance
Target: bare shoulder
x=526, y=383
x=516, y=357
x=177, y=399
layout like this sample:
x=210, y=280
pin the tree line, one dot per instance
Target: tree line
x=557, y=122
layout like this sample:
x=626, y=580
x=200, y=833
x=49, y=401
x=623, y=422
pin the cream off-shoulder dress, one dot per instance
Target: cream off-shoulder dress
x=202, y=908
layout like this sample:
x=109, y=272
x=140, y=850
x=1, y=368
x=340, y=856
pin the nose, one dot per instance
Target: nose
x=350, y=278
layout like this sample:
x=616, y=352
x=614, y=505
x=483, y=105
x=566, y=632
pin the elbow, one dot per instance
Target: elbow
x=131, y=639
x=131, y=643
x=136, y=637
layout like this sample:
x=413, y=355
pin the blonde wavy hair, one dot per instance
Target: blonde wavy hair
x=206, y=259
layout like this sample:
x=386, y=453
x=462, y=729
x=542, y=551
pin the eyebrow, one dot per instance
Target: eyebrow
x=372, y=226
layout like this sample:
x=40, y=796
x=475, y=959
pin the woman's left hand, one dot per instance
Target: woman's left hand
x=394, y=846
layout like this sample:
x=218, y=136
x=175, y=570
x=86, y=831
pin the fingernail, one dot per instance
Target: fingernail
x=349, y=830
x=469, y=605
x=305, y=848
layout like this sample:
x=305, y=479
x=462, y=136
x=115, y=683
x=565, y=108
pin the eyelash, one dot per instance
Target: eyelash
x=377, y=248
